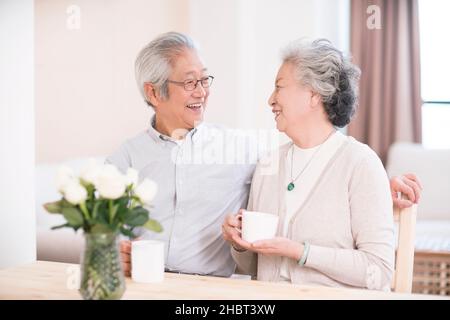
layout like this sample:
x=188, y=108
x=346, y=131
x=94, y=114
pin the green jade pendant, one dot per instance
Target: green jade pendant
x=291, y=186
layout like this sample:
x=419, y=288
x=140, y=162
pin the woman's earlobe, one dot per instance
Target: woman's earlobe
x=315, y=100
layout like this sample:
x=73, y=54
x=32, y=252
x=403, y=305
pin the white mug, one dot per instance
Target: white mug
x=258, y=225
x=147, y=261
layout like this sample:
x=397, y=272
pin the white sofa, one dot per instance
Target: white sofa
x=62, y=245
x=432, y=166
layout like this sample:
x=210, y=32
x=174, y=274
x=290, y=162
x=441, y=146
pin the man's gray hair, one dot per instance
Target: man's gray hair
x=326, y=71
x=154, y=62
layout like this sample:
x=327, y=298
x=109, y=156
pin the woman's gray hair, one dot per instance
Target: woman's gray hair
x=326, y=71
x=154, y=62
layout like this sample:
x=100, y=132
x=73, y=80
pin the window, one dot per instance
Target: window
x=434, y=24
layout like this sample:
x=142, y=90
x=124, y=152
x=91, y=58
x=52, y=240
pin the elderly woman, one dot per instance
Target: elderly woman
x=331, y=192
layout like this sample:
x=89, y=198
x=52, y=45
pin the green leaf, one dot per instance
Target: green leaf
x=73, y=216
x=113, y=212
x=136, y=217
x=123, y=207
x=102, y=216
x=66, y=204
x=153, y=225
x=53, y=207
x=123, y=202
x=127, y=232
x=61, y=226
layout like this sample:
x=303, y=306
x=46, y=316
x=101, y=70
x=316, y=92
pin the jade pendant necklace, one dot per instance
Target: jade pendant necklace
x=291, y=185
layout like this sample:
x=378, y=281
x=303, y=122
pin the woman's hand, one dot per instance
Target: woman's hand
x=278, y=246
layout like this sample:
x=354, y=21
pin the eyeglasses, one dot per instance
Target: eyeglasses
x=190, y=85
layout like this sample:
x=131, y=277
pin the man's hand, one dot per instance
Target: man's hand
x=125, y=256
x=409, y=185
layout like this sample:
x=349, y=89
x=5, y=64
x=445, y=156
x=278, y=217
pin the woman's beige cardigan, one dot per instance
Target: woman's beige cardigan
x=347, y=218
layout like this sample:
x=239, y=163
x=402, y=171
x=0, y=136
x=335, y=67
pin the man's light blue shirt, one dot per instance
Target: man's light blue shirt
x=200, y=180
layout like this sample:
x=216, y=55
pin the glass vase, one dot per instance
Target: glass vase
x=102, y=276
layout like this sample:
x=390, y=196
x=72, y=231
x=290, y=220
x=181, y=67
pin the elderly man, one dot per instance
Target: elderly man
x=195, y=194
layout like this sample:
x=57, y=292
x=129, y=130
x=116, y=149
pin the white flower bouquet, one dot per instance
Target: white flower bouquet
x=103, y=200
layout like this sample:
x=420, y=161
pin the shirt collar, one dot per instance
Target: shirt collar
x=161, y=138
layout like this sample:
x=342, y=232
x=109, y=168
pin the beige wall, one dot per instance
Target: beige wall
x=87, y=102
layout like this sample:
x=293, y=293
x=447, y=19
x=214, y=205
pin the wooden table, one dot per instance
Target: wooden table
x=52, y=280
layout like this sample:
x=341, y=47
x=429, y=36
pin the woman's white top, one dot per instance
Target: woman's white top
x=294, y=199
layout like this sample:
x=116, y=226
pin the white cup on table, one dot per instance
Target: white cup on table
x=147, y=261
x=258, y=225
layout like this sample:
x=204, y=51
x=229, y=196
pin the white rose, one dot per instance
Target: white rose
x=75, y=193
x=110, y=183
x=132, y=177
x=146, y=190
x=64, y=176
x=90, y=172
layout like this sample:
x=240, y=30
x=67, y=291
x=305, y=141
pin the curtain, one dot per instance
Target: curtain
x=389, y=95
